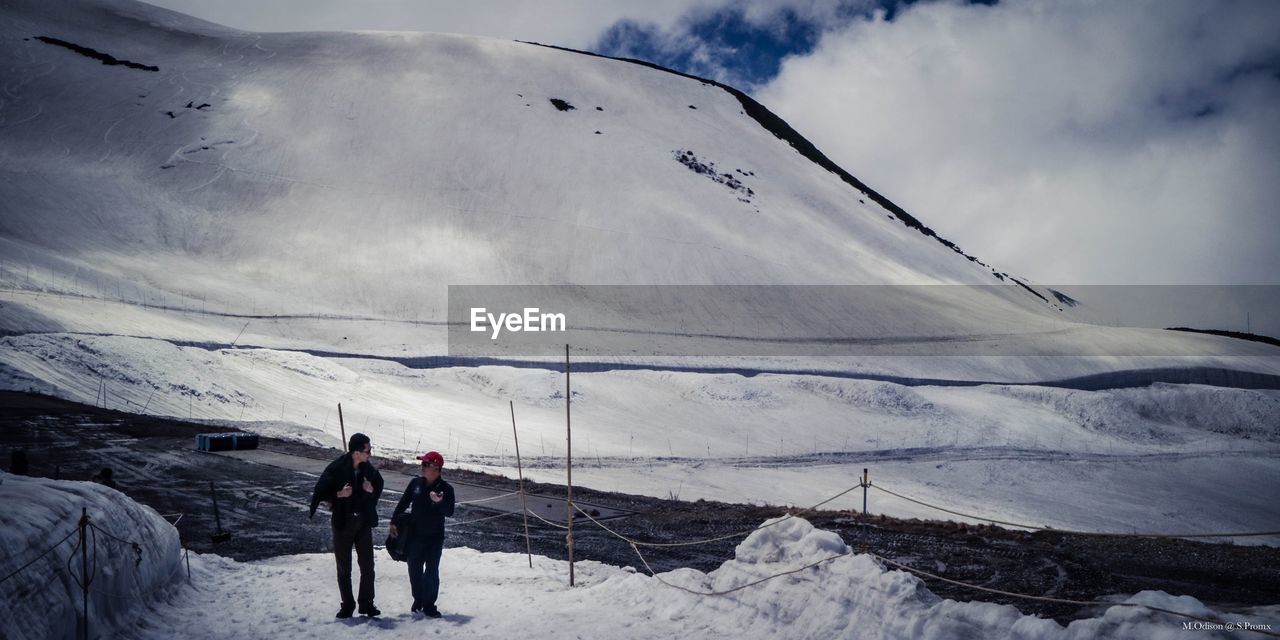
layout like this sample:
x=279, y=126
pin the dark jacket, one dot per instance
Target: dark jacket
x=338, y=473
x=427, y=517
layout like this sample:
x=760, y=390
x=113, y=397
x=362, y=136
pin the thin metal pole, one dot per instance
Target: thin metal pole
x=84, y=568
x=865, y=483
x=864, y=491
x=568, y=457
x=524, y=510
x=343, y=426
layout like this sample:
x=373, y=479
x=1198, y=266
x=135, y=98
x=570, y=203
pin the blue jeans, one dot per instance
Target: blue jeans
x=424, y=570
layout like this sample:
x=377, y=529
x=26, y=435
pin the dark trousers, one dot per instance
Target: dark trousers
x=424, y=569
x=355, y=531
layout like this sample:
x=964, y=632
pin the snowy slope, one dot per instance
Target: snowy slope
x=386, y=162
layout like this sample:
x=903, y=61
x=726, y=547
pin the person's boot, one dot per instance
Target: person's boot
x=431, y=611
x=416, y=607
x=345, y=611
x=369, y=610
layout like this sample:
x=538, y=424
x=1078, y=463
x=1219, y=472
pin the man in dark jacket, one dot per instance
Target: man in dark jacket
x=432, y=501
x=352, y=486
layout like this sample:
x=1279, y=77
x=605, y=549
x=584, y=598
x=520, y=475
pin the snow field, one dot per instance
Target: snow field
x=1164, y=458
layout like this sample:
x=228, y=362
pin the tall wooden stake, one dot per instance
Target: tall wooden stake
x=866, y=482
x=84, y=568
x=524, y=510
x=568, y=457
x=342, y=425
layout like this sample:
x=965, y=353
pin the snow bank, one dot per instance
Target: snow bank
x=854, y=596
x=44, y=600
x=496, y=595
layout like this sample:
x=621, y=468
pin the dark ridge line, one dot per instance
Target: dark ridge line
x=106, y=59
x=1033, y=291
x=1239, y=335
x=783, y=131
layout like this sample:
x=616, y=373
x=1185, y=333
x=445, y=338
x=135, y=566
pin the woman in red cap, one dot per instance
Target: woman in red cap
x=431, y=499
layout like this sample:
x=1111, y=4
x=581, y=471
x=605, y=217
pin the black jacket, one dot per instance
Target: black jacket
x=340, y=472
x=427, y=517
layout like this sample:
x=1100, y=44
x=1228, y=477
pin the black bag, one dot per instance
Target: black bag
x=398, y=547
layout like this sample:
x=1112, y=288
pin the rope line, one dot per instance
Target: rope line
x=635, y=545
x=475, y=520
x=719, y=538
x=110, y=535
x=137, y=548
x=753, y=583
x=479, y=500
x=558, y=526
x=1245, y=534
x=37, y=558
x=84, y=580
x=1025, y=596
x=164, y=583
x=926, y=574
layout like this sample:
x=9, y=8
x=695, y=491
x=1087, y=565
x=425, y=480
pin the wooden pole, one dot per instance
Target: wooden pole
x=84, y=567
x=568, y=457
x=524, y=510
x=866, y=482
x=342, y=425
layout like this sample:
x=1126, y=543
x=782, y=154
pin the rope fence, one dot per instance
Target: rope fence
x=546, y=521
x=636, y=544
x=498, y=497
x=1135, y=534
x=164, y=583
x=87, y=546
x=506, y=514
x=730, y=536
x=1026, y=596
x=42, y=554
x=89, y=530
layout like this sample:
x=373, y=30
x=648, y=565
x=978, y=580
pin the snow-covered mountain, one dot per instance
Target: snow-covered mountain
x=155, y=160
x=362, y=171
x=170, y=188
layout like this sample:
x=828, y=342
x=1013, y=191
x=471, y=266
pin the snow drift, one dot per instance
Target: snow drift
x=44, y=599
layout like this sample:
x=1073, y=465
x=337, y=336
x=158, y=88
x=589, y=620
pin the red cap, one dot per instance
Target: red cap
x=433, y=457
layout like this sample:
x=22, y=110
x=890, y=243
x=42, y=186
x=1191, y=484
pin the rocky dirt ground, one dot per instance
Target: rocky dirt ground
x=265, y=509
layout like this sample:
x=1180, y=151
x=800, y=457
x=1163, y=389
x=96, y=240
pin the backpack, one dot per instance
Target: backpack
x=398, y=547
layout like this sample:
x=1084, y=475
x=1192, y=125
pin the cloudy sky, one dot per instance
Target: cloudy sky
x=1072, y=142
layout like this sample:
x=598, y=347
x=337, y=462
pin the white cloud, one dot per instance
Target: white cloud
x=1080, y=142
